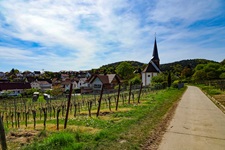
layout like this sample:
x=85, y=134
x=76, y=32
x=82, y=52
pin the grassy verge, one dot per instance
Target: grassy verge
x=216, y=95
x=127, y=129
x=211, y=90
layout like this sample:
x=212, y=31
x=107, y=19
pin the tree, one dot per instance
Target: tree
x=159, y=78
x=200, y=67
x=199, y=75
x=125, y=70
x=56, y=91
x=186, y=72
x=222, y=62
x=222, y=76
x=169, y=80
x=135, y=80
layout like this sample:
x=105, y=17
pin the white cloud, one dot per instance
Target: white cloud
x=87, y=34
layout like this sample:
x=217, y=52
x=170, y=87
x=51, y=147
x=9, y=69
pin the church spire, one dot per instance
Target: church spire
x=155, y=55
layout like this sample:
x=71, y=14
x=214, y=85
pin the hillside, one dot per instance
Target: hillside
x=192, y=63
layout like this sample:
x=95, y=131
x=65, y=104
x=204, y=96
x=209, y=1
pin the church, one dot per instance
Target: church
x=152, y=69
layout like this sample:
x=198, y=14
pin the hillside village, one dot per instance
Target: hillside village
x=38, y=81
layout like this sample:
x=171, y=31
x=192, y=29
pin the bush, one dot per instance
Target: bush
x=175, y=84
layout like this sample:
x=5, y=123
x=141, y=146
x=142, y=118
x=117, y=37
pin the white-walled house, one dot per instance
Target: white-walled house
x=82, y=83
x=152, y=69
x=35, y=85
x=66, y=85
x=109, y=81
x=41, y=85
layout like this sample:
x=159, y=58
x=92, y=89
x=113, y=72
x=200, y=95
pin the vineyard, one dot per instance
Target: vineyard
x=121, y=118
x=24, y=113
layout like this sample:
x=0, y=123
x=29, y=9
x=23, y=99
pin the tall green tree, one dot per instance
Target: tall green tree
x=125, y=70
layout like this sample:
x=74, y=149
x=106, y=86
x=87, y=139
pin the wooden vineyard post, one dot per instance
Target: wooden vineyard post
x=109, y=99
x=26, y=116
x=12, y=119
x=89, y=107
x=18, y=119
x=2, y=135
x=68, y=106
x=34, y=117
x=75, y=110
x=139, y=95
x=100, y=99
x=45, y=116
x=129, y=93
x=57, y=118
x=118, y=96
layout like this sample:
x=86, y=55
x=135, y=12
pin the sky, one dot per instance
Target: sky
x=56, y=35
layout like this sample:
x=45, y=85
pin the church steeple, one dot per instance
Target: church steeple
x=155, y=55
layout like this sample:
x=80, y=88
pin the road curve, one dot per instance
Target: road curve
x=197, y=124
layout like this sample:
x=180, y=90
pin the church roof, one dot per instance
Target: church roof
x=151, y=67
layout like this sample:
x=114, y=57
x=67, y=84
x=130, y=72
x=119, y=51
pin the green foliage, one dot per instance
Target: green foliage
x=199, y=67
x=57, y=141
x=169, y=80
x=159, y=78
x=208, y=71
x=222, y=62
x=175, y=84
x=111, y=68
x=186, y=72
x=211, y=90
x=222, y=75
x=29, y=92
x=135, y=80
x=125, y=70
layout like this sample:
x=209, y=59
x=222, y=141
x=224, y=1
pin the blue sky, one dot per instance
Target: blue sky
x=78, y=35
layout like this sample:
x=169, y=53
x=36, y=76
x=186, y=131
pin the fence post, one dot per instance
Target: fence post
x=100, y=99
x=118, y=96
x=68, y=105
x=139, y=95
x=129, y=93
x=2, y=135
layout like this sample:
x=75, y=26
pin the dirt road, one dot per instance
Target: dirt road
x=197, y=124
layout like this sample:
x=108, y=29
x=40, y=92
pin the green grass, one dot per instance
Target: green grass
x=118, y=130
x=211, y=90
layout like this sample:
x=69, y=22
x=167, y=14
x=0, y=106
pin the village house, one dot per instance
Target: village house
x=42, y=85
x=64, y=77
x=152, y=69
x=13, y=89
x=66, y=84
x=109, y=80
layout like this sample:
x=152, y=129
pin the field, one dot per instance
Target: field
x=37, y=125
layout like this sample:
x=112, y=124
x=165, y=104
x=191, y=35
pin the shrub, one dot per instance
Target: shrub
x=175, y=84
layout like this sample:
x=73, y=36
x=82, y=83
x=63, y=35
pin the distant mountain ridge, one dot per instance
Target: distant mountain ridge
x=163, y=67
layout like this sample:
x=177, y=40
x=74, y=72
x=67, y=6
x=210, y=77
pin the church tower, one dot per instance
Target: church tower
x=152, y=69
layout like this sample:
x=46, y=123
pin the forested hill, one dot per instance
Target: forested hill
x=192, y=63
